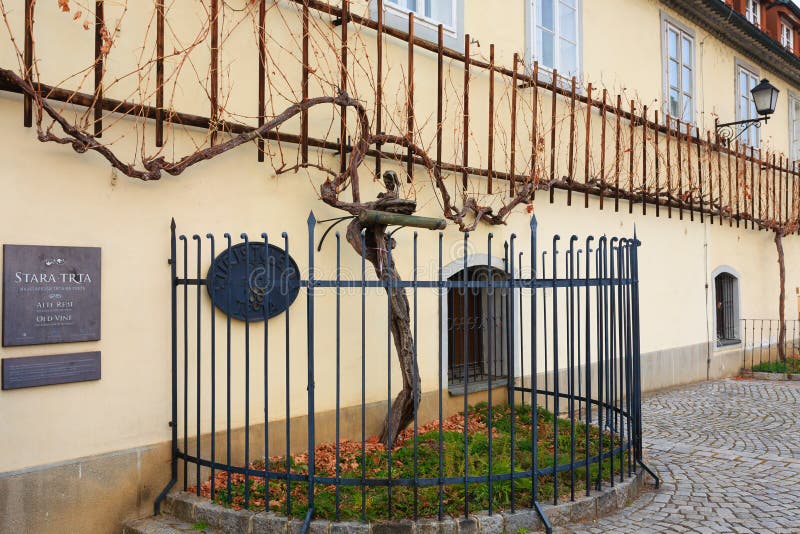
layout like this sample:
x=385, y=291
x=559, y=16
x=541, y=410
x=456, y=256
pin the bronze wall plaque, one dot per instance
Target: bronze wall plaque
x=34, y=371
x=253, y=282
x=51, y=294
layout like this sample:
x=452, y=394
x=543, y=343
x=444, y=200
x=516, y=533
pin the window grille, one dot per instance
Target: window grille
x=477, y=328
x=726, y=290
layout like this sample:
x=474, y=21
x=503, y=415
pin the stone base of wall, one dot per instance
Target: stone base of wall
x=93, y=495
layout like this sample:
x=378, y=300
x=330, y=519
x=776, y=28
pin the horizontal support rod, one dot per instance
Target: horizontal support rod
x=421, y=482
x=197, y=121
x=373, y=217
x=433, y=284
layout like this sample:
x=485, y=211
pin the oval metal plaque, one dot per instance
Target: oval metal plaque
x=254, y=282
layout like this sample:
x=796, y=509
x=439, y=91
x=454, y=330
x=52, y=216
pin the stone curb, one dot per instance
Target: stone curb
x=189, y=507
x=777, y=377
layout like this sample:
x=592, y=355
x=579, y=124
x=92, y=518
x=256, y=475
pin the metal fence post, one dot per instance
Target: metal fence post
x=636, y=347
x=173, y=423
x=312, y=221
x=507, y=313
x=174, y=290
x=637, y=353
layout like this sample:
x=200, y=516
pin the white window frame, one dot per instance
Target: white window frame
x=753, y=12
x=787, y=36
x=794, y=117
x=750, y=136
x=531, y=34
x=683, y=31
x=396, y=16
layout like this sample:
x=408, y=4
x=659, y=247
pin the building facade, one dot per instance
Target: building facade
x=606, y=109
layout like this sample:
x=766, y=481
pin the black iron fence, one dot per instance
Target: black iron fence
x=760, y=340
x=496, y=330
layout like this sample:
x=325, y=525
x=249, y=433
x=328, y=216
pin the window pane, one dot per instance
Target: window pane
x=567, y=23
x=545, y=45
x=441, y=11
x=672, y=37
x=546, y=16
x=742, y=84
x=673, y=73
x=686, y=51
x=411, y=5
x=794, y=131
x=568, y=59
x=686, y=80
x=674, y=103
x=687, y=108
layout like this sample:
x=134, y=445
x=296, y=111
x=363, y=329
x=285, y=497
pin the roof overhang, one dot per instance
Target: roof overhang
x=732, y=28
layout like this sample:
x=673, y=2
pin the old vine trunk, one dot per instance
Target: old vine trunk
x=376, y=248
x=781, y=296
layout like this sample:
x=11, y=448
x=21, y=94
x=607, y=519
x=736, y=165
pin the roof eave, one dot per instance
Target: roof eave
x=735, y=30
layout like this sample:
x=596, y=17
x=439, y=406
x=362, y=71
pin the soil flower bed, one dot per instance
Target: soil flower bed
x=374, y=502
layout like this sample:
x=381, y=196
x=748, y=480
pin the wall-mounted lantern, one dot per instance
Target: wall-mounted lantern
x=765, y=97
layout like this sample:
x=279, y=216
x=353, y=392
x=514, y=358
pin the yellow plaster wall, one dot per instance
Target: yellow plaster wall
x=53, y=196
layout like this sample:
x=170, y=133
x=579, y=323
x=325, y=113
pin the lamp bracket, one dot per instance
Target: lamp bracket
x=728, y=131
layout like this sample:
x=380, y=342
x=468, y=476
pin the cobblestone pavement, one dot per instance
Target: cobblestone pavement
x=728, y=454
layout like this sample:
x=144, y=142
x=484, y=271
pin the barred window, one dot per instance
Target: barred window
x=726, y=297
x=477, y=327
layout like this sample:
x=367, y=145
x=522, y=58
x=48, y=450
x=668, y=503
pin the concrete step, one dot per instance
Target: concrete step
x=165, y=524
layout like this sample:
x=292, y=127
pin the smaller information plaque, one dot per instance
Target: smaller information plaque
x=31, y=371
x=51, y=294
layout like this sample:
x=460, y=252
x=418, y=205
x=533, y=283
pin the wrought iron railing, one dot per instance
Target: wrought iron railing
x=761, y=340
x=573, y=338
